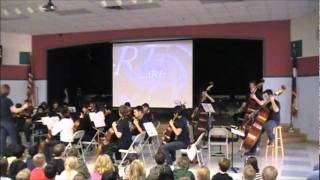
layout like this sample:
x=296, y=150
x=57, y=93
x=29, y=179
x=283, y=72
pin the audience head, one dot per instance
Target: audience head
x=73, y=152
x=160, y=158
x=203, y=173
x=166, y=173
x=136, y=170
x=4, y=90
x=127, y=104
x=183, y=162
x=15, y=150
x=249, y=173
x=132, y=157
x=50, y=171
x=58, y=150
x=109, y=176
x=269, y=173
x=3, y=166
x=70, y=163
x=103, y=164
x=24, y=174
x=79, y=177
x=251, y=160
x=39, y=160
x=224, y=164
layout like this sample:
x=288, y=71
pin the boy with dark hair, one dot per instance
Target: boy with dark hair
x=224, y=165
x=50, y=171
x=57, y=160
x=4, y=168
x=18, y=164
x=160, y=159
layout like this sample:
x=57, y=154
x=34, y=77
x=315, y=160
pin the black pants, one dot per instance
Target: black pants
x=113, y=148
x=7, y=129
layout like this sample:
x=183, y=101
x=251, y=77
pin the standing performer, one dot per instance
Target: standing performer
x=203, y=117
x=7, y=127
x=179, y=127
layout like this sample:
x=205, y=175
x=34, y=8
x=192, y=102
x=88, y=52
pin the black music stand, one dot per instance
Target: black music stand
x=234, y=169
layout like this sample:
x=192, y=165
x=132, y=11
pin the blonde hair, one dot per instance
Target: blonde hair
x=70, y=163
x=24, y=174
x=249, y=173
x=103, y=164
x=183, y=162
x=269, y=173
x=136, y=170
x=203, y=173
x=39, y=160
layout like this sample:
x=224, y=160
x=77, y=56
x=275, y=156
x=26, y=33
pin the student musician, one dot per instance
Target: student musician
x=147, y=112
x=121, y=131
x=273, y=120
x=139, y=118
x=180, y=129
x=7, y=127
x=64, y=127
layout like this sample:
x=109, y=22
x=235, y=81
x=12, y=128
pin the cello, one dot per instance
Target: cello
x=255, y=120
x=168, y=134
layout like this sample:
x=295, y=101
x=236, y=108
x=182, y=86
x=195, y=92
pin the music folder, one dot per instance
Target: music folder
x=208, y=107
x=98, y=119
x=150, y=129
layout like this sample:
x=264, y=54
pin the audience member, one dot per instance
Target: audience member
x=251, y=160
x=17, y=164
x=69, y=172
x=33, y=150
x=249, y=173
x=103, y=164
x=269, y=173
x=57, y=160
x=224, y=165
x=38, y=172
x=50, y=171
x=166, y=173
x=155, y=171
x=183, y=169
x=314, y=175
x=81, y=167
x=24, y=174
x=4, y=169
x=203, y=173
x=136, y=171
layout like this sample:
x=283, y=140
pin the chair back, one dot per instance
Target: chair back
x=78, y=135
x=199, y=139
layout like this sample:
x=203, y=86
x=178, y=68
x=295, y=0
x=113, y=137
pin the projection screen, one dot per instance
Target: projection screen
x=159, y=73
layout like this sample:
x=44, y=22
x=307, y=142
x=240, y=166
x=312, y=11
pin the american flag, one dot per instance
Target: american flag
x=30, y=88
x=294, y=105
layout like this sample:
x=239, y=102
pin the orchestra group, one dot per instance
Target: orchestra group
x=261, y=110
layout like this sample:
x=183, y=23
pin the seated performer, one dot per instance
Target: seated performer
x=147, y=112
x=181, y=131
x=64, y=127
x=139, y=118
x=121, y=131
x=273, y=119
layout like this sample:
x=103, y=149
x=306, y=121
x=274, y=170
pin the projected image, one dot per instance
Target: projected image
x=159, y=73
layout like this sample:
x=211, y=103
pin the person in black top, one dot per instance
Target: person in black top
x=139, y=118
x=7, y=127
x=122, y=133
x=181, y=131
x=147, y=112
x=18, y=164
x=224, y=165
x=273, y=119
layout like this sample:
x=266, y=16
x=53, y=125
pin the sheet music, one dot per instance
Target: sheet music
x=208, y=107
x=50, y=121
x=237, y=132
x=98, y=119
x=151, y=130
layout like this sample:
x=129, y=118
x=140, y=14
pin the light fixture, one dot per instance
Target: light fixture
x=49, y=6
x=104, y=3
x=5, y=12
x=30, y=10
x=17, y=11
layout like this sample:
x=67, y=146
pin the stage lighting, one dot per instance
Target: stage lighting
x=49, y=7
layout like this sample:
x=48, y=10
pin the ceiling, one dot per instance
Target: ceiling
x=25, y=16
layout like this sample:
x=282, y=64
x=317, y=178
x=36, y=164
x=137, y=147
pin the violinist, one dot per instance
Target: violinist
x=7, y=127
x=147, y=112
x=84, y=123
x=180, y=129
x=121, y=131
x=139, y=118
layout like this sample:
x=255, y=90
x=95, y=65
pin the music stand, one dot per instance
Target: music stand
x=237, y=133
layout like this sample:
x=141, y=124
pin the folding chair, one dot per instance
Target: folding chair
x=93, y=140
x=219, y=133
x=199, y=149
x=136, y=147
x=76, y=137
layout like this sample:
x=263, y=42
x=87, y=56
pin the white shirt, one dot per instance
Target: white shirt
x=63, y=175
x=65, y=127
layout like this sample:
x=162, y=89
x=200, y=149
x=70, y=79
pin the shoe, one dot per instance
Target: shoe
x=270, y=143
